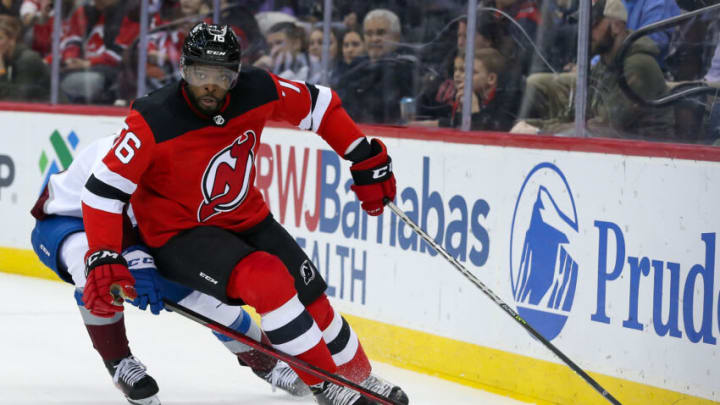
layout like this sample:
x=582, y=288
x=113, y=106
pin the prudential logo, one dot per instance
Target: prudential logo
x=543, y=269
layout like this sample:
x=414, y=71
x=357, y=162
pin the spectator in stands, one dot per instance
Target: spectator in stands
x=23, y=75
x=373, y=91
x=169, y=27
x=353, y=46
x=287, y=57
x=494, y=105
x=381, y=29
x=92, y=50
x=526, y=16
x=556, y=37
x=10, y=7
x=646, y=12
x=36, y=16
x=240, y=15
x=165, y=45
x=35, y=11
x=352, y=12
x=438, y=96
x=39, y=19
x=430, y=28
x=353, y=56
x=315, y=54
x=692, y=46
x=192, y=8
x=611, y=112
x=489, y=32
x=494, y=102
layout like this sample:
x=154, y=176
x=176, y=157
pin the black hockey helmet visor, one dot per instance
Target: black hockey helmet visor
x=203, y=75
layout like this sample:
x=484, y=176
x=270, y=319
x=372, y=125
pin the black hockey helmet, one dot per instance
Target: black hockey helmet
x=211, y=44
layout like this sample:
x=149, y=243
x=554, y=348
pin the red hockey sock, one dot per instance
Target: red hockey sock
x=110, y=340
x=322, y=312
x=345, y=348
x=319, y=356
x=263, y=282
x=358, y=368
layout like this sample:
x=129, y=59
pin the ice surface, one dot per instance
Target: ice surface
x=46, y=358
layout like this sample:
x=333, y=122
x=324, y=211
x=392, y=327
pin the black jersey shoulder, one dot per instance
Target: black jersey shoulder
x=168, y=115
x=254, y=88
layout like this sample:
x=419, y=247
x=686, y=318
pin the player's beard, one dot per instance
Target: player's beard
x=198, y=102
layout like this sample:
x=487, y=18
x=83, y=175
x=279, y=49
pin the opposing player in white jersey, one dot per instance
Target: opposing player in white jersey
x=60, y=242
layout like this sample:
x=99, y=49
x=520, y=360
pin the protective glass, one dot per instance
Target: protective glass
x=202, y=75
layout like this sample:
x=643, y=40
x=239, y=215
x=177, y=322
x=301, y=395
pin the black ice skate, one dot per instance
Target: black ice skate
x=130, y=376
x=285, y=378
x=331, y=394
x=386, y=389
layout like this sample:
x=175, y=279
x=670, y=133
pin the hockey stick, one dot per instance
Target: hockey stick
x=293, y=361
x=502, y=304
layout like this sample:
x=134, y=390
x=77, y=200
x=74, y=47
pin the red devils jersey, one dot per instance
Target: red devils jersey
x=182, y=169
x=99, y=38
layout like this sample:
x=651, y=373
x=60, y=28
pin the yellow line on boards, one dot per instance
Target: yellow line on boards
x=521, y=377
x=24, y=262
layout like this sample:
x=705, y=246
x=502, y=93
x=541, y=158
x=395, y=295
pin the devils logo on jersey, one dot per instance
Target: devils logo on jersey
x=227, y=178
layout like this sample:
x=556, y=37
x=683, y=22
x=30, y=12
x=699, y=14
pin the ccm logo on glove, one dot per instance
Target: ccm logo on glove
x=106, y=271
x=382, y=172
x=101, y=257
x=374, y=179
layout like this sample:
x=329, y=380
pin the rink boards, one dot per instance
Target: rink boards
x=609, y=253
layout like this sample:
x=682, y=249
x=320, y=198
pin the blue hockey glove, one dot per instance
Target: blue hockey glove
x=148, y=282
x=149, y=290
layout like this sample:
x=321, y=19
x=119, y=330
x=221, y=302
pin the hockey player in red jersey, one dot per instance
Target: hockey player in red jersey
x=60, y=242
x=186, y=160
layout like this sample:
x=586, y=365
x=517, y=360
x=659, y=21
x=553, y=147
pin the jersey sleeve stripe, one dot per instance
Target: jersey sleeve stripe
x=97, y=202
x=289, y=86
x=113, y=179
x=320, y=107
x=313, y=95
x=104, y=190
x=306, y=122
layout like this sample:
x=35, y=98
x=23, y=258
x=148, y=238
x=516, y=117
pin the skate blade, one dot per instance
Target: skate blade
x=153, y=400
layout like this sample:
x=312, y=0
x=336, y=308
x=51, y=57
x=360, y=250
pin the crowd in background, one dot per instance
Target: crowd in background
x=398, y=61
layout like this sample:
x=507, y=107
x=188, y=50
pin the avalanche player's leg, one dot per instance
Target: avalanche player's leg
x=342, y=341
x=152, y=288
x=60, y=243
x=275, y=372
